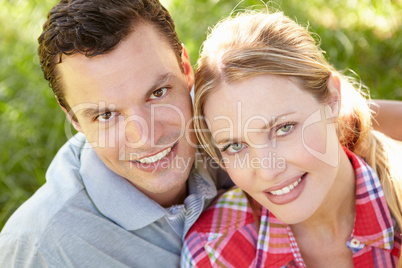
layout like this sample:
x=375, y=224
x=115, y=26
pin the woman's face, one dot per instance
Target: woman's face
x=277, y=142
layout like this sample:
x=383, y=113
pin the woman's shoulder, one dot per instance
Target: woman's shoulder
x=225, y=229
x=229, y=212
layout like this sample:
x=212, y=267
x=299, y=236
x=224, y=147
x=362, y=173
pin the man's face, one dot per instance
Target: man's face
x=133, y=104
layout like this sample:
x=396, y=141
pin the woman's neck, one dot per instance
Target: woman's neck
x=322, y=238
x=336, y=214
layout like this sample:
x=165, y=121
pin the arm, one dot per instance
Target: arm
x=388, y=117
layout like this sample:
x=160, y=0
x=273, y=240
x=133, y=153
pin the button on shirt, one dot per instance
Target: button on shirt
x=85, y=215
x=226, y=236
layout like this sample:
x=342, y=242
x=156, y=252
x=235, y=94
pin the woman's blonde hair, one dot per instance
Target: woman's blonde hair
x=256, y=43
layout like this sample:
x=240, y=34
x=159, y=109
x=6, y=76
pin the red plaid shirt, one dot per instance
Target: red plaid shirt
x=226, y=236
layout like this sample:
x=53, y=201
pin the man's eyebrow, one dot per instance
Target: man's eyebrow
x=93, y=111
x=90, y=112
x=267, y=126
x=160, y=81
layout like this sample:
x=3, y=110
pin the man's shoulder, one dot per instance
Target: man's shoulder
x=62, y=188
x=76, y=235
x=36, y=215
x=68, y=157
x=44, y=223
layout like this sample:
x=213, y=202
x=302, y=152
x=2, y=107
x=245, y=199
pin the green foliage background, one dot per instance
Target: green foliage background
x=363, y=35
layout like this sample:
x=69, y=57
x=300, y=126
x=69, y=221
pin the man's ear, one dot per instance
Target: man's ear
x=334, y=102
x=69, y=115
x=188, y=70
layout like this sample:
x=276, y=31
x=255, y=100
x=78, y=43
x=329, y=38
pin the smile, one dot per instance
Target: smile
x=154, y=158
x=287, y=189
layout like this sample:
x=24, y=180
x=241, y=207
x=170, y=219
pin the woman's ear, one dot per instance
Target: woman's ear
x=334, y=102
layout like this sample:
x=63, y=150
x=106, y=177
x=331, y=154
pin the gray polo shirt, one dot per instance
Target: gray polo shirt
x=85, y=215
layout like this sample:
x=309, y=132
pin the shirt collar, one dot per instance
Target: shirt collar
x=203, y=178
x=115, y=197
x=373, y=222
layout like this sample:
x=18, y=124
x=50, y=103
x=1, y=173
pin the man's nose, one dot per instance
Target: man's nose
x=142, y=131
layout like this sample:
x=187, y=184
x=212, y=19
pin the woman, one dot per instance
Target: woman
x=317, y=186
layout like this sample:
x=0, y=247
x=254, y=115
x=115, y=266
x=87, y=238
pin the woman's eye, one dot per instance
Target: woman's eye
x=106, y=116
x=285, y=129
x=235, y=147
x=158, y=93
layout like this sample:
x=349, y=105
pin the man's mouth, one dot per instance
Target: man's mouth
x=155, y=158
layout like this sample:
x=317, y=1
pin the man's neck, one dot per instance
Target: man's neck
x=175, y=196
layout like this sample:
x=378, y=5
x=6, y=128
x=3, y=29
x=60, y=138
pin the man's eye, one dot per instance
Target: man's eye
x=158, y=93
x=234, y=147
x=106, y=116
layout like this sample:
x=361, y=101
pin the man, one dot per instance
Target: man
x=125, y=193
x=123, y=78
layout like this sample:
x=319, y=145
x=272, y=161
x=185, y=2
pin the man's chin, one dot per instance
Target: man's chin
x=167, y=193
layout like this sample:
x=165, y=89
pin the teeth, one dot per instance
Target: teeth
x=157, y=157
x=291, y=187
x=286, y=189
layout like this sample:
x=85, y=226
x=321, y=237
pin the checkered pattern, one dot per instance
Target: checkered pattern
x=226, y=236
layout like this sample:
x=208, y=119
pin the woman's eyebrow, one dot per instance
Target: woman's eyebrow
x=274, y=120
x=267, y=126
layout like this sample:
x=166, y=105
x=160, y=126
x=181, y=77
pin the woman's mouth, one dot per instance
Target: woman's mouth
x=286, y=189
x=287, y=193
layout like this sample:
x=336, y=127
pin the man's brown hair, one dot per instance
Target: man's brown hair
x=94, y=27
